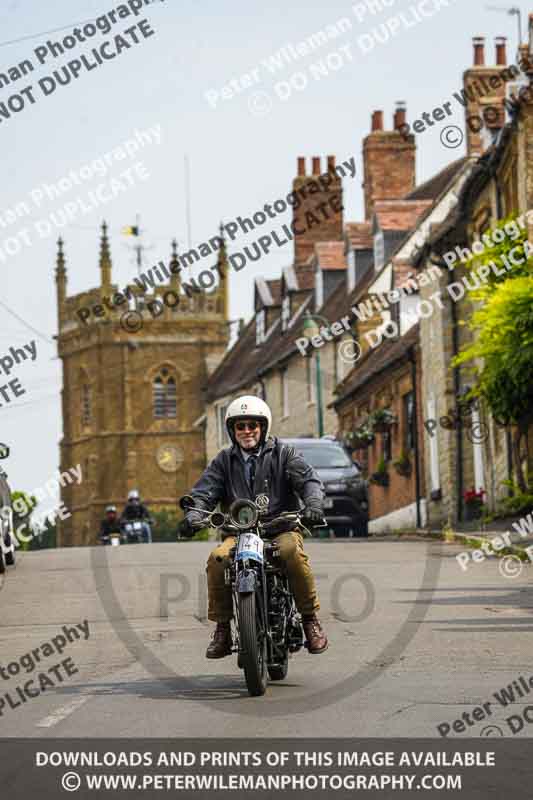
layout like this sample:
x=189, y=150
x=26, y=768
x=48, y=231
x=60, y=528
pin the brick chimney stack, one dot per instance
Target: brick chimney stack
x=322, y=188
x=484, y=92
x=388, y=161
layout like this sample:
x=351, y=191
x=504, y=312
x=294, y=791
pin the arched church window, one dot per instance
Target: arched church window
x=165, y=396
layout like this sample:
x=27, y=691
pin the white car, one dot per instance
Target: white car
x=7, y=538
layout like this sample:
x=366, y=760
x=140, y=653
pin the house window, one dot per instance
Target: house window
x=260, y=327
x=86, y=404
x=285, y=312
x=379, y=250
x=409, y=420
x=164, y=396
x=222, y=433
x=285, y=409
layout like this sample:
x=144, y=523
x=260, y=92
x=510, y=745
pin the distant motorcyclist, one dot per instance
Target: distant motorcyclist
x=110, y=524
x=134, y=511
x=258, y=463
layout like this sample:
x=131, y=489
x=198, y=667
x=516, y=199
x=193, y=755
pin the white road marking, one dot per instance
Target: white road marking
x=61, y=713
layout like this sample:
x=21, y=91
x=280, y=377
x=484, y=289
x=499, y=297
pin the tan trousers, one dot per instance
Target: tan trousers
x=301, y=579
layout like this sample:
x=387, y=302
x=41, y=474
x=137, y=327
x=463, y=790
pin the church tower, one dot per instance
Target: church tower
x=134, y=371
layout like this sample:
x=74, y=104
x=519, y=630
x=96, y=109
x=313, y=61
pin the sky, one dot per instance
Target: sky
x=199, y=74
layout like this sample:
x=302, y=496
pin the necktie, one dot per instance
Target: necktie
x=251, y=474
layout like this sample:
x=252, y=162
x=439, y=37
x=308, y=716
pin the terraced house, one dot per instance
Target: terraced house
x=377, y=289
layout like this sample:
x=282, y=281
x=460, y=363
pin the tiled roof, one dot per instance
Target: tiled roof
x=359, y=235
x=275, y=290
x=433, y=188
x=399, y=215
x=375, y=361
x=237, y=368
x=330, y=255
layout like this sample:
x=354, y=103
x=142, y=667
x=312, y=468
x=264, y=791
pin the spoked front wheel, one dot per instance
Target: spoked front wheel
x=253, y=646
x=278, y=672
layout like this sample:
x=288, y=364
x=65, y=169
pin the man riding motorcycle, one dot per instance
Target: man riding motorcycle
x=110, y=524
x=135, y=510
x=259, y=464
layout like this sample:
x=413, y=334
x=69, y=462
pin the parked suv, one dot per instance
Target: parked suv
x=7, y=539
x=346, y=500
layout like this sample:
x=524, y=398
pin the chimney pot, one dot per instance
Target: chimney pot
x=501, y=54
x=479, y=51
x=301, y=165
x=316, y=165
x=331, y=163
x=399, y=115
x=377, y=121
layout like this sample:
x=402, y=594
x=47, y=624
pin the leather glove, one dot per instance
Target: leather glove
x=312, y=516
x=190, y=524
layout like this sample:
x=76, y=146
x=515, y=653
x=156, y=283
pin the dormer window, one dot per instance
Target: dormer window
x=285, y=312
x=379, y=250
x=260, y=327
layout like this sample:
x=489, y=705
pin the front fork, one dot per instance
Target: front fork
x=250, y=580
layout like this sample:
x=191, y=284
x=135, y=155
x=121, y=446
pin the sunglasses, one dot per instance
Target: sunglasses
x=243, y=426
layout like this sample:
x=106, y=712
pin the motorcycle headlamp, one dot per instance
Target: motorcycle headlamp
x=244, y=514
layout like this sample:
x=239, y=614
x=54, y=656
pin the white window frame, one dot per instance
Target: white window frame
x=260, y=327
x=222, y=434
x=352, y=273
x=285, y=312
x=319, y=288
x=379, y=250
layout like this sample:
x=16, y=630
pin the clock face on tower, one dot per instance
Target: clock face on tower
x=169, y=457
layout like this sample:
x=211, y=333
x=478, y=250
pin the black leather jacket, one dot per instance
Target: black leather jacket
x=135, y=511
x=281, y=473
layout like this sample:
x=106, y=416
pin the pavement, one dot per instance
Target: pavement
x=415, y=642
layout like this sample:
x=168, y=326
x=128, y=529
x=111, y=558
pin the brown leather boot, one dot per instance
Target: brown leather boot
x=317, y=641
x=222, y=642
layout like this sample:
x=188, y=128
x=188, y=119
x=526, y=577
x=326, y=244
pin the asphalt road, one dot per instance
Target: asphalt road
x=414, y=642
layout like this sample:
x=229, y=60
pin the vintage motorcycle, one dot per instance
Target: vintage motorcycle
x=268, y=626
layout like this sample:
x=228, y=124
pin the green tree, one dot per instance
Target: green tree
x=503, y=350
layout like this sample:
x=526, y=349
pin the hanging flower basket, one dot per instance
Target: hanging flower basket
x=403, y=465
x=380, y=477
x=381, y=420
x=360, y=438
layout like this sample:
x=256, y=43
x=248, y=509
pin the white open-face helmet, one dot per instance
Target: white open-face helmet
x=248, y=407
x=133, y=495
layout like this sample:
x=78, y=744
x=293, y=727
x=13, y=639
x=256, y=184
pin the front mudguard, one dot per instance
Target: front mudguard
x=246, y=582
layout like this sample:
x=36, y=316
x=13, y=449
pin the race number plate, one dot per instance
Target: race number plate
x=250, y=546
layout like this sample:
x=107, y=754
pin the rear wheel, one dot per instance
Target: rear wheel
x=253, y=646
x=10, y=559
